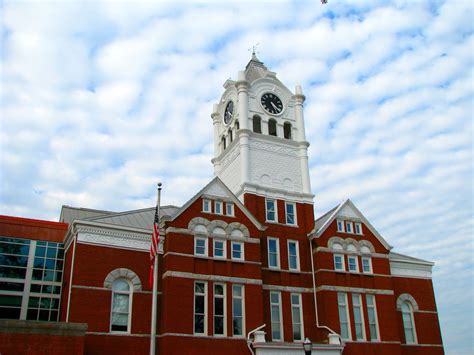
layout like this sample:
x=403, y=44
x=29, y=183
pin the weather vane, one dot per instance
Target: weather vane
x=254, y=49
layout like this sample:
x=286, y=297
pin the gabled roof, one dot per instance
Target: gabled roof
x=410, y=259
x=217, y=188
x=346, y=208
x=141, y=218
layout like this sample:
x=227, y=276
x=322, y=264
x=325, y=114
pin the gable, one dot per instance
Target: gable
x=347, y=210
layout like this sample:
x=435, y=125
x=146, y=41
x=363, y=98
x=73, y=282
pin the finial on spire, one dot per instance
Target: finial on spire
x=254, y=51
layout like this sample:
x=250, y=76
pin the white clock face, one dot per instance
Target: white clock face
x=229, y=112
x=271, y=103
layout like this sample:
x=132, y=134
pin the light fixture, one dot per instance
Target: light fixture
x=307, y=346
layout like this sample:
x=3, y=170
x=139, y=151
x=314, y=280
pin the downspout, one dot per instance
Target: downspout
x=70, y=276
x=250, y=333
x=314, y=292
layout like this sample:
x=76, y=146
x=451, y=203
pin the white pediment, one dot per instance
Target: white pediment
x=217, y=190
x=348, y=212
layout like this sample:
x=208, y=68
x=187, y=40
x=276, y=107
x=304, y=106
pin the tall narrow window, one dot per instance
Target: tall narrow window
x=219, y=309
x=121, y=306
x=271, y=212
x=372, y=315
x=297, y=317
x=339, y=262
x=353, y=265
x=275, y=312
x=287, y=130
x=218, y=207
x=200, y=308
x=223, y=143
x=229, y=209
x=290, y=212
x=200, y=246
x=408, y=323
x=340, y=225
x=257, y=124
x=231, y=137
x=219, y=248
x=237, y=125
x=366, y=265
x=358, y=228
x=272, y=127
x=348, y=227
x=237, y=250
x=343, y=316
x=358, y=316
x=273, y=253
x=238, y=309
x=206, y=205
x=293, y=255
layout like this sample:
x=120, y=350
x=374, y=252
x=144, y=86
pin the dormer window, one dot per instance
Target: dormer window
x=272, y=127
x=358, y=228
x=218, y=207
x=229, y=209
x=287, y=130
x=257, y=124
x=348, y=227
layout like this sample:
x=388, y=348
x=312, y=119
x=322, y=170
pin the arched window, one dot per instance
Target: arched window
x=230, y=136
x=272, y=127
x=121, y=306
x=287, y=130
x=408, y=322
x=257, y=124
x=223, y=143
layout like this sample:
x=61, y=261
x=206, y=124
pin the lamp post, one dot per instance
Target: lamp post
x=307, y=346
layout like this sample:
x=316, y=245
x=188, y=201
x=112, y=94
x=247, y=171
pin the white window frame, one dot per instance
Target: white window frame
x=346, y=310
x=343, y=262
x=356, y=261
x=130, y=301
x=412, y=319
x=295, y=221
x=369, y=259
x=358, y=308
x=205, y=307
x=376, y=323
x=349, y=227
x=242, y=251
x=358, y=228
x=224, y=243
x=221, y=207
x=242, y=300
x=278, y=304
x=297, y=255
x=300, y=309
x=275, y=210
x=277, y=242
x=206, y=253
x=209, y=205
x=223, y=297
x=340, y=225
x=229, y=209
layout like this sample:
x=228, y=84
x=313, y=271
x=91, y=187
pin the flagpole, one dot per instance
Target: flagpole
x=155, y=287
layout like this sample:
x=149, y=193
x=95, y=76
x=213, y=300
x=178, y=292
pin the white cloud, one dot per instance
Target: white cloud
x=99, y=100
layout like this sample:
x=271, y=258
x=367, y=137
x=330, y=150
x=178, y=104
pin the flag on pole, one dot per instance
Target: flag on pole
x=155, y=238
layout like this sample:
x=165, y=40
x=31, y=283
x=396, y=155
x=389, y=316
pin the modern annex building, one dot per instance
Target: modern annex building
x=244, y=267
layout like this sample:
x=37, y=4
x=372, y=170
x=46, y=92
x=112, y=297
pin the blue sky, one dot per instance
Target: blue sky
x=99, y=100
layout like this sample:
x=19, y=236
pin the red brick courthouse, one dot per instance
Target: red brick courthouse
x=244, y=267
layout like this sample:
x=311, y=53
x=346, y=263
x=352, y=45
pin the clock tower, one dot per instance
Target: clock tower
x=259, y=136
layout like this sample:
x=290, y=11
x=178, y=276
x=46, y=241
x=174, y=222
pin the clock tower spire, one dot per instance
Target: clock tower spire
x=260, y=145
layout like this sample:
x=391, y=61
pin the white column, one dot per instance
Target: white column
x=217, y=150
x=243, y=94
x=301, y=138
